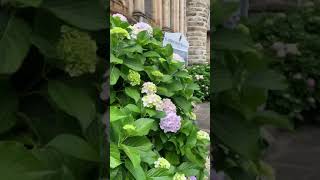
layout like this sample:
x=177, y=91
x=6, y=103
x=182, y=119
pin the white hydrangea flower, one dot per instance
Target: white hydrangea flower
x=139, y=27
x=152, y=100
x=149, y=88
x=177, y=57
x=162, y=163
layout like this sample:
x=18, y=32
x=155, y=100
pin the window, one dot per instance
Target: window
x=148, y=8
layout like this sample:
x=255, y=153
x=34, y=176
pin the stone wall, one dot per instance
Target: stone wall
x=197, y=28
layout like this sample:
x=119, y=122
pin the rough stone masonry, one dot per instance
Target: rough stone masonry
x=197, y=27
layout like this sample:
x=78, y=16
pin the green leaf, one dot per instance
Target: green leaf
x=114, y=75
x=172, y=157
x=164, y=92
x=114, y=156
x=116, y=114
x=137, y=171
x=29, y=3
x=133, y=155
x=183, y=103
x=73, y=101
x=17, y=162
x=134, y=64
x=8, y=107
x=272, y=118
x=222, y=80
x=238, y=134
x=133, y=93
x=14, y=44
x=158, y=172
x=115, y=60
x=268, y=80
x=151, y=54
x=143, y=126
x=85, y=14
x=133, y=108
x=74, y=146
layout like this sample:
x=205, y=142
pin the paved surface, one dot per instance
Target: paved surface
x=203, y=116
x=296, y=156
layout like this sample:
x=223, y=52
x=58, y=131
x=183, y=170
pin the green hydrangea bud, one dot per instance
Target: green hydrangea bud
x=134, y=78
x=77, y=51
x=120, y=32
x=193, y=116
x=129, y=128
x=179, y=176
x=157, y=74
x=162, y=163
x=202, y=135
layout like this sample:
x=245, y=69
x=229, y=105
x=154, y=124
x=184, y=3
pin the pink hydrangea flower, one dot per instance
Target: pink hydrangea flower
x=139, y=27
x=122, y=17
x=168, y=106
x=192, y=178
x=170, y=123
x=311, y=83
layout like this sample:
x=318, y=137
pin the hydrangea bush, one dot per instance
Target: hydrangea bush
x=152, y=131
x=201, y=75
x=292, y=40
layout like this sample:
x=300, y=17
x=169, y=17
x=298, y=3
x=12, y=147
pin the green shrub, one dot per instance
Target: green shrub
x=201, y=76
x=152, y=133
x=51, y=68
x=299, y=62
x=241, y=80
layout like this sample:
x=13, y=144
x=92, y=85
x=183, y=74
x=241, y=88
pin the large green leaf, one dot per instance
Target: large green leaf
x=133, y=93
x=137, y=171
x=116, y=114
x=85, y=14
x=14, y=44
x=73, y=101
x=114, y=156
x=114, y=75
x=272, y=118
x=74, y=146
x=8, y=107
x=18, y=163
x=133, y=155
x=144, y=125
x=222, y=80
x=238, y=134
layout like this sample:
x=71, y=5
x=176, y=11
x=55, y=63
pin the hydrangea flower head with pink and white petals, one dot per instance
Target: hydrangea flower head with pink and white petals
x=122, y=17
x=168, y=106
x=149, y=88
x=139, y=27
x=170, y=123
x=192, y=178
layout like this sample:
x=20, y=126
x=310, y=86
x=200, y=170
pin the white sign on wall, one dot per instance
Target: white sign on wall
x=179, y=44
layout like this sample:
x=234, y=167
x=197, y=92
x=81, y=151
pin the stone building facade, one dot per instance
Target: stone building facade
x=190, y=17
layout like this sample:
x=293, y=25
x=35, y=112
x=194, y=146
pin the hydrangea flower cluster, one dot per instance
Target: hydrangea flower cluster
x=179, y=176
x=170, y=123
x=134, y=78
x=122, y=17
x=199, y=77
x=168, y=106
x=152, y=100
x=202, y=135
x=149, y=88
x=162, y=163
x=139, y=27
x=78, y=51
x=192, y=178
x=120, y=32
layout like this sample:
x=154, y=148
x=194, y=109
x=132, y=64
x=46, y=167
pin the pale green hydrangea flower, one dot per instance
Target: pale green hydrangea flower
x=179, y=176
x=193, y=116
x=129, y=128
x=157, y=74
x=202, y=135
x=152, y=100
x=120, y=32
x=162, y=163
x=134, y=78
x=77, y=51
